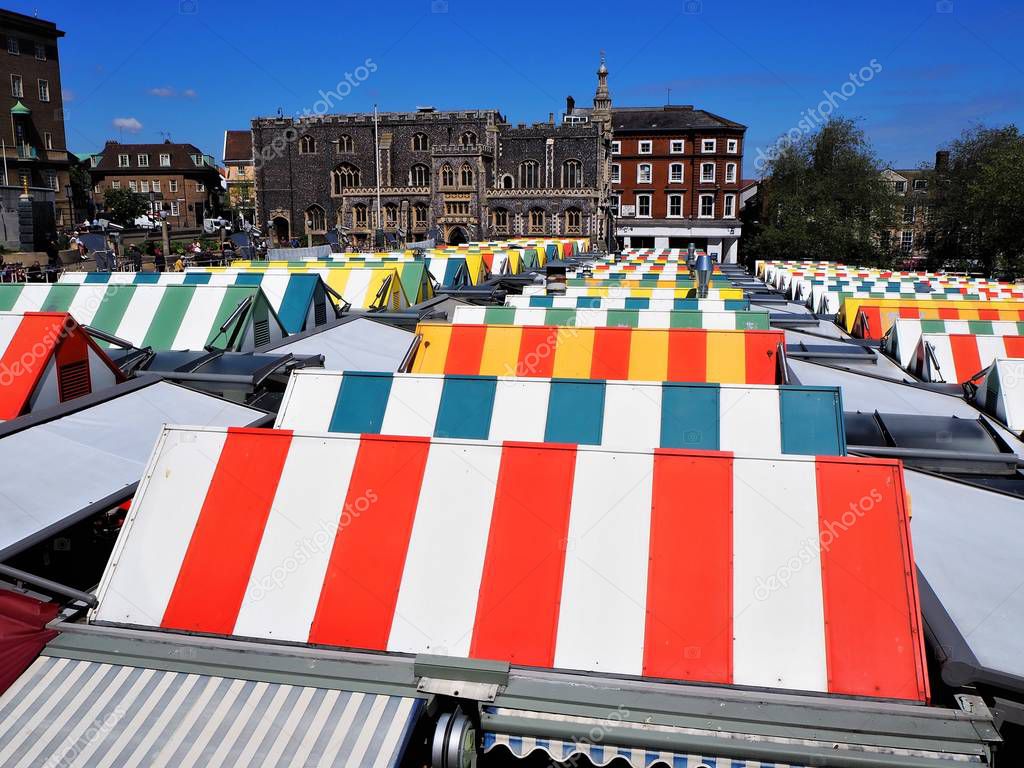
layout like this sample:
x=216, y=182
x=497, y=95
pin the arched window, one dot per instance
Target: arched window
x=536, y=221
x=359, y=216
x=345, y=176
x=420, y=142
x=390, y=215
x=307, y=145
x=507, y=182
x=466, y=175
x=419, y=216
x=528, y=175
x=447, y=176
x=499, y=220
x=419, y=176
x=573, y=221
x=468, y=139
x=316, y=220
x=572, y=174
x=345, y=143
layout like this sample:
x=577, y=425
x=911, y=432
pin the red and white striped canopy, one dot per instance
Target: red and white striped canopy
x=786, y=572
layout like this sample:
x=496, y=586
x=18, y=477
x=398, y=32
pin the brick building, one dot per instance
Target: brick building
x=239, y=175
x=178, y=177
x=33, y=133
x=456, y=175
x=676, y=178
x=912, y=232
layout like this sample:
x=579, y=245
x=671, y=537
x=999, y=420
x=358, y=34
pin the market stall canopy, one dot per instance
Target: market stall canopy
x=158, y=316
x=873, y=320
x=351, y=344
x=635, y=354
x=622, y=292
x=957, y=358
x=299, y=300
x=367, y=285
x=930, y=307
x=440, y=556
x=1000, y=393
x=903, y=336
x=627, y=318
x=598, y=302
x=99, y=445
x=641, y=415
x=47, y=358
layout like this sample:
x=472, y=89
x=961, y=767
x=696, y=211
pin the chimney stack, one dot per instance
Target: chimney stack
x=551, y=118
x=942, y=160
x=570, y=105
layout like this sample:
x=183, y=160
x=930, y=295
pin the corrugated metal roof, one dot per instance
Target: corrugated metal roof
x=352, y=344
x=64, y=712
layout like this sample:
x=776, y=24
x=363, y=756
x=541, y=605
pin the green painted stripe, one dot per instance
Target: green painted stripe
x=500, y=315
x=111, y=310
x=623, y=317
x=560, y=316
x=9, y=296
x=59, y=298
x=683, y=319
x=933, y=326
x=984, y=327
x=752, y=321
x=232, y=296
x=166, y=321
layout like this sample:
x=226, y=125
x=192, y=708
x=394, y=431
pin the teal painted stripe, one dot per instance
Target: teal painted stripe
x=96, y=277
x=541, y=301
x=575, y=412
x=451, y=271
x=296, y=302
x=146, y=278
x=248, y=278
x=197, y=278
x=689, y=416
x=466, y=406
x=811, y=422
x=361, y=403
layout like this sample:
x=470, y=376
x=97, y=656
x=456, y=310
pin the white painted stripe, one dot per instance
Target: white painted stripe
x=1004, y=328
x=395, y=733
x=31, y=298
x=288, y=572
x=654, y=318
x=632, y=415
x=57, y=671
x=72, y=277
x=604, y=588
x=530, y=316
x=412, y=405
x=441, y=580
x=266, y=722
x=750, y=420
x=315, y=729
x=308, y=403
x=467, y=315
x=130, y=729
x=990, y=348
x=199, y=317
x=87, y=301
x=9, y=323
x=184, y=720
x=245, y=714
x=213, y=721
x=226, y=278
x=330, y=753
x=718, y=321
x=943, y=353
x=778, y=610
x=144, y=566
x=140, y=312
x=357, y=757
x=287, y=729
x=274, y=285
x=357, y=287
x=591, y=318
x=520, y=409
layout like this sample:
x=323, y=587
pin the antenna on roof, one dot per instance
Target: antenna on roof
x=668, y=99
x=166, y=135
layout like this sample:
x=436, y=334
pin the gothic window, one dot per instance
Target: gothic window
x=359, y=215
x=466, y=175
x=573, y=221
x=419, y=215
x=345, y=176
x=390, y=216
x=345, y=143
x=420, y=142
x=499, y=220
x=307, y=145
x=316, y=220
x=528, y=175
x=572, y=174
x=419, y=175
x=447, y=176
x=536, y=221
x=468, y=139
x=507, y=182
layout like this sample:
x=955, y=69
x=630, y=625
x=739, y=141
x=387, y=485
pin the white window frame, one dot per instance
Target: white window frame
x=732, y=146
x=647, y=198
x=133, y=186
x=165, y=160
x=639, y=173
x=115, y=184
x=682, y=173
x=144, y=187
x=13, y=47
x=175, y=210
x=700, y=207
x=681, y=146
x=907, y=244
x=44, y=89
x=645, y=147
x=172, y=185
x=40, y=52
x=616, y=147
x=51, y=177
x=47, y=140
x=730, y=173
x=200, y=187
x=708, y=146
x=124, y=161
x=668, y=206
x=703, y=176
x=616, y=173
x=617, y=204
x=17, y=87
x=923, y=183
x=155, y=184
x=897, y=186
x=729, y=207
x=143, y=161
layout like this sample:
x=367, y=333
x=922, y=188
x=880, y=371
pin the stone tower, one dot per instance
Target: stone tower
x=602, y=98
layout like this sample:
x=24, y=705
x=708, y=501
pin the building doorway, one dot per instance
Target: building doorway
x=280, y=224
x=700, y=243
x=457, y=236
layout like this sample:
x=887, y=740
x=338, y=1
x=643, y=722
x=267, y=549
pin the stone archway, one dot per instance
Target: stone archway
x=456, y=236
x=280, y=228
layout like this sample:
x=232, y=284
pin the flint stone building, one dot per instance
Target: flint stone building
x=457, y=175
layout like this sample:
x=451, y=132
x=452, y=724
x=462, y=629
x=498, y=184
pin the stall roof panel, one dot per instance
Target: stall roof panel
x=628, y=318
x=598, y=302
x=625, y=291
x=100, y=444
x=368, y=285
x=1000, y=394
x=873, y=320
x=636, y=354
x=352, y=344
x=87, y=712
x=957, y=358
x=439, y=556
x=638, y=415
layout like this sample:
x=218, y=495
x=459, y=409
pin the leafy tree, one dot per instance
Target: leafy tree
x=124, y=206
x=978, y=210
x=81, y=183
x=824, y=197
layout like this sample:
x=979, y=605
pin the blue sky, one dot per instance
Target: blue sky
x=192, y=68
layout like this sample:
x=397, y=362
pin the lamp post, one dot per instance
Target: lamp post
x=71, y=204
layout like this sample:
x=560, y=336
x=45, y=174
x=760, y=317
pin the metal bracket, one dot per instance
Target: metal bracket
x=460, y=678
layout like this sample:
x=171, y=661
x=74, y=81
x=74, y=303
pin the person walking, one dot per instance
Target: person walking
x=158, y=259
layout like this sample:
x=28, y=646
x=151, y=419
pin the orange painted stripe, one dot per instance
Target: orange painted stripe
x=357, y=602
x=610, y=359
x=761, y=350
x=687, y=355
x=948, y=313
x=218, y=562
x=1014, y=346
x=688, y=630
x=25, y=359
x=965, y=355
x=537, y=346
x=988, y=314
x=521, y=587
x=873, y=638
x=466, y=349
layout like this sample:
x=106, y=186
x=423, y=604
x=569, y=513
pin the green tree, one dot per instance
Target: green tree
x=124, y=206
x=823, y=197
x=978, y=208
